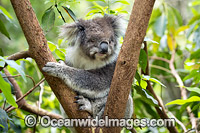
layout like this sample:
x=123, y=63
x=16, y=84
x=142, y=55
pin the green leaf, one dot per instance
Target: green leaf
x=3, y=29
x=196, y=107
x=48, y=19
x=195, y=55
x=149, y=40
x=160, y=25
x=181, y=102
x=97, y=0
x=14, y=65
x=1, y=52
x=146, y=95
x=194, y=19
x=192, y=27
x=52, y=46
x=60, y=54
x=122, y=1
x=5, y=13
x=6, y=89
x=178, y=16
x=1, y=126
x=3, y=121
x=147, y=77
x=70, y=13
x=157, y=81
x=143, y=60
x=194, y=89
x=143, y=84
x=137, y=76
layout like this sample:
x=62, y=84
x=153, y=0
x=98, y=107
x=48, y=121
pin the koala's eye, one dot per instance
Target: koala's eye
x=91, y=41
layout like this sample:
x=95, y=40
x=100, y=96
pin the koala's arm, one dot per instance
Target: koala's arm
x=89, y=83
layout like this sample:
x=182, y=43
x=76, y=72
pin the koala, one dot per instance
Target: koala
x=90, y=61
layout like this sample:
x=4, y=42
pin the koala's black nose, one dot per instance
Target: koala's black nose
x=104, y=47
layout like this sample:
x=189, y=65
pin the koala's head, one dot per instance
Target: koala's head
x=97, y=38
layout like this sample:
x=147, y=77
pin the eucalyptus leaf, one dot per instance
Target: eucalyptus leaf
x=14, y=65
x=160, y=25
x=181, y=102
x=6, y=89
x=194, y=89
x=3, y=29
x=3, y=121
x=146, y=95
x=70, y=13
x=48, y=19
x=143, y=60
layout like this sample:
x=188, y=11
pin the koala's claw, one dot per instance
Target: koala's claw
x=84, y=104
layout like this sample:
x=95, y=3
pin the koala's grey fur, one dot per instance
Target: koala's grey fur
x=90, y=61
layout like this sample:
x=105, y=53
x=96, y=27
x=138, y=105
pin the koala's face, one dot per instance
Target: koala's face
x=97, y=38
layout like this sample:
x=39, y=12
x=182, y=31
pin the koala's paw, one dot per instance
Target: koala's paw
x=84, y=104
x=52, y=68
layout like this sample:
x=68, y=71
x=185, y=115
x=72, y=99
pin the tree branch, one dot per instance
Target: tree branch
x=182, y=89
x=161, y=112
x=17, y=56
x=127, y=61
x=40, y=52
x=24, y=105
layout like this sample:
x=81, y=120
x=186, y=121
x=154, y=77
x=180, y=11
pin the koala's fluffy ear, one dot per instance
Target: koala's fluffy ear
x=118, y=24
x=71, y=32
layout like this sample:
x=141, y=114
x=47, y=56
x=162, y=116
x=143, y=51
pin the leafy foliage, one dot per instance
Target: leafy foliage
x=168, y=31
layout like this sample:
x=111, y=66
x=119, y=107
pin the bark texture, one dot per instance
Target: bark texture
x=127, y=61
x=39, y=51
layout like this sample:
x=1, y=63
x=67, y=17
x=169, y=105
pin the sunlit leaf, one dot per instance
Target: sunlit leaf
x=147, y=77
x=70, y=13
x=6, y=89
x=194, y=19
x=52, y=46
x=48, y=19
x=182, y=28
x=181, y=102
x=3, y=29
x=171, y=42
x=122, y=1
x=143, y=84
x=149, y=40
x=5, y=13
x=194, y=89
x=60, y=54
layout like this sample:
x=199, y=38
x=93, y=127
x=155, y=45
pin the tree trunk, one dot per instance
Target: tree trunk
x=127, y=61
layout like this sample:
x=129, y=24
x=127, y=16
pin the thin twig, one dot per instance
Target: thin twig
x=60, y=13
x=20, y=75
x=159, y=58
x=182, y=89
x=161, y=68
x=27, y=93
x=162, y=113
